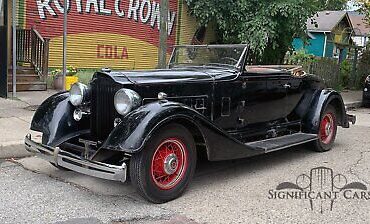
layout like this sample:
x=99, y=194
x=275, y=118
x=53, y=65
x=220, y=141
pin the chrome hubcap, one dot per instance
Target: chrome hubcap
x=170, y=164
x=328, y=129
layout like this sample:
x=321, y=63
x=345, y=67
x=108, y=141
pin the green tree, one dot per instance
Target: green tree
x=364, y=7
x=332, y=4
x=267, y=26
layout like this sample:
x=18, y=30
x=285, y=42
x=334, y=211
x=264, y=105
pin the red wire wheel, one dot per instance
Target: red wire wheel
x=169, y=163
x=163, y=169
x=327, y=128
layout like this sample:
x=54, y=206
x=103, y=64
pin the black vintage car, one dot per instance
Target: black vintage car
x=366, y=93
x=151, y=125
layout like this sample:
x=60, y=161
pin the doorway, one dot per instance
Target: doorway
x=3, y=48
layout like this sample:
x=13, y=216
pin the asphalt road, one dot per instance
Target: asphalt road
x=239, y=191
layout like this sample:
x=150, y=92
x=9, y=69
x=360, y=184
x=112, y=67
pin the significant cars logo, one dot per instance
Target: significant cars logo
x=322, y=188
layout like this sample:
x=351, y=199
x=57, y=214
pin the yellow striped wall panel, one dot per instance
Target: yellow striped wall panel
x=121, y=34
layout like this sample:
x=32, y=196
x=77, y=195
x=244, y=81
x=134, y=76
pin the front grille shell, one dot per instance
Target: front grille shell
x=103, y=112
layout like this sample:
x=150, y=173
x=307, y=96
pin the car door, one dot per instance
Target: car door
x=227, y=104
x=250, y=103
x=255, y=99
x=239, y=103
x=277, y=86
x=284, y=92
x=294, y=91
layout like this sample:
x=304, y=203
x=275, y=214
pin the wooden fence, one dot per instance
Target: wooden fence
x=326, y=68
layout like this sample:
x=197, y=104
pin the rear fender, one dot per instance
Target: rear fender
x=136, y=128
x=54, y=118
x=311, y=121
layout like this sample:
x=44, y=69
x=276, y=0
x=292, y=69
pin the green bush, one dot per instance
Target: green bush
x=345, y=74
x=85, y=76
x=300, y=58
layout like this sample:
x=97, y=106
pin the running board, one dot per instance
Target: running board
x=283, y=142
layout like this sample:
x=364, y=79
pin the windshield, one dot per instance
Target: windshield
x=208, y=55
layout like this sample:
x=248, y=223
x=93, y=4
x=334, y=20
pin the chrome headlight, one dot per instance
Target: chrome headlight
x=367, y=80
x=79, y=94
x=126, y=100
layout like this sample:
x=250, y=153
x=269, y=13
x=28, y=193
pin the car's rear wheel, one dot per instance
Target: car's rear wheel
x=164, y=168
x=327, y=130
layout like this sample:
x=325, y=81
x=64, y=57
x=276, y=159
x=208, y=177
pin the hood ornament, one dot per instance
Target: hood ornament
x=107, y=70
x=162, y=96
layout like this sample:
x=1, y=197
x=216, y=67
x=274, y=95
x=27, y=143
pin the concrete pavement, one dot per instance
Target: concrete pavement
x=352, y=99
x=221, y=192
x=15, y=120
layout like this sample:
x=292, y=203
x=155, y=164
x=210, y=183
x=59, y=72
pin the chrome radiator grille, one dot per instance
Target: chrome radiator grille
x=103, y=112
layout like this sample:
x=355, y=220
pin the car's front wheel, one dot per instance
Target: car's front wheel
x=164, y=168
x=327, y=130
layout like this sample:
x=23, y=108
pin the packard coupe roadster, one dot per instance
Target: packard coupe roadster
x=151, y=125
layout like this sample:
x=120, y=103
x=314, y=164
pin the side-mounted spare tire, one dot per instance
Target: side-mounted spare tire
x=164, y=168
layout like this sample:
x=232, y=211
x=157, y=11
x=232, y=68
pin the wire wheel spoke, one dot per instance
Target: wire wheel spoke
x=169, y=163
x=327, y=128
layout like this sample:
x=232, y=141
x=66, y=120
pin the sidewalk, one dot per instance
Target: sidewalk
x=16, y=116
x=352, y=99
x=15, y=120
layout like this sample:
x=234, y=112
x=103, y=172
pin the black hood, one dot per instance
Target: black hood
x=173, y=75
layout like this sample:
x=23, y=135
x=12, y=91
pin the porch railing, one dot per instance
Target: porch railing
x=34, y=49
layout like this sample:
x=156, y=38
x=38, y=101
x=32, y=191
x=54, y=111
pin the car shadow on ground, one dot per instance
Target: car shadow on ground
x=206, y=173
x=251, y=165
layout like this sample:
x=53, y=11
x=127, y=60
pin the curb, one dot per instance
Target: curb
x=353, y=105
x=13, y=150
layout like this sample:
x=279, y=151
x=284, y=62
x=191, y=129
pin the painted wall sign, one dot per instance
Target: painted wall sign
x=111, y=52
x=121, y=34
x=143, y=11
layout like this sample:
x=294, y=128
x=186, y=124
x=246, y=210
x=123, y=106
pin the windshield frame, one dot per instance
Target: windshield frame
x=238, y=66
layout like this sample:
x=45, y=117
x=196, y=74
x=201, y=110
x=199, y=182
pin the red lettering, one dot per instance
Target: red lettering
x=124, y=54
x=98, y=51
x=111, y=52
x=108, y=51
x=116, y=53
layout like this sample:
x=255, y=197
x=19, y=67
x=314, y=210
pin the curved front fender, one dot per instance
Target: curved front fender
x=312, y=118
x=54, y=118
x=137, y=127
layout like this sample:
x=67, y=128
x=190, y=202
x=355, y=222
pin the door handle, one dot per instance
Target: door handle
x=287, y=86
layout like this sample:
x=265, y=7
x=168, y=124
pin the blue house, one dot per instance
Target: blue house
x=328, y=35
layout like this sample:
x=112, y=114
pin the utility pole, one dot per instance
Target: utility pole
x=65, y=7
x=163, y=33
x=14, y=39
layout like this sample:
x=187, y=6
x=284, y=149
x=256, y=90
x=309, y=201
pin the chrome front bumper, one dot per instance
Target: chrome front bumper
x=73, y=162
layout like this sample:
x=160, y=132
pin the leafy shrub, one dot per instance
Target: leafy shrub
x=71, y=71
x=300, y=58
x=345, y=74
